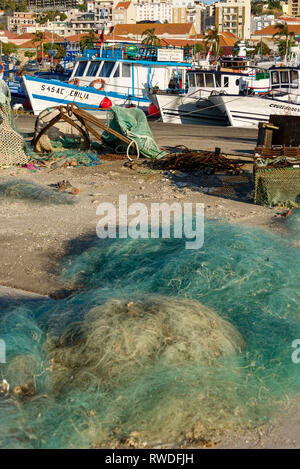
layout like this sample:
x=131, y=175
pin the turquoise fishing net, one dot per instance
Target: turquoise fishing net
x=70, y=149
x=158, y=344
x=27, y=191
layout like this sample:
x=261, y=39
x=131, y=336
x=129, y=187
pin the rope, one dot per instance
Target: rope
x=137, y=148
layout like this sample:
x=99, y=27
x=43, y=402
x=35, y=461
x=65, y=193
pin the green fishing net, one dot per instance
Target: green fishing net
x=279, y=186
x=132, y=123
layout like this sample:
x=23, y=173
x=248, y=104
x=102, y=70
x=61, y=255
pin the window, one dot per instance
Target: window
x=200, y=80
x=209, y=78
x=226, y=82
x=284, y=76
x=275, y=78
x=192, y=81
x=80, y=69
x=117, y=71
x=93, y=69
x=107, y=68
x=294, y=78
x=126, y=70
x=218, y=80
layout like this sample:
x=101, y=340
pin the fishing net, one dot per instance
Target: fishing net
x=132, y=123
x=277, y=187
x=20, y=189
x=12, y=146
x=120, y=338
x=159, y=344
x=62, y=141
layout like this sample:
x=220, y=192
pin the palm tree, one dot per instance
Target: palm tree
x=150, y=38
x=90, y=37
x=283, y=32
x=38, y=40
x=213, y=37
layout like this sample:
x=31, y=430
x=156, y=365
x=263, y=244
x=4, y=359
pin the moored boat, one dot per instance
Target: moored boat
x=122, y=73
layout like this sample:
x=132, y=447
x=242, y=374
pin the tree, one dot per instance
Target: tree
x=262, y=49
x=256, y=8
x=21, y=6
x=282, y=46
x=283, y=32
x=82, y=7
x=213, y=38
x=274, y=4
x=29, y=54
x=60, y=50
x=150, y=39
x=38, y=40
x=9, y=48
x=90, y=37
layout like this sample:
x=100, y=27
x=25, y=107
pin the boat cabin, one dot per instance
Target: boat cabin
x=132, y=70
x=210, y=80
x=284, y=78
x=234, y=64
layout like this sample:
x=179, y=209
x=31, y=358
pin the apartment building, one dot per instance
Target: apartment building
x=294, y=7
x=39, y=5
x=234, y=16
x=260, y=22
x=20, y=21
x=124, y=13
x=154, y=10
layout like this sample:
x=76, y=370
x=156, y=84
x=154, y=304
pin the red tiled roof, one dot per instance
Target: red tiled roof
x=124, y=5
x=9, y=34
x=76, y=37
x=292, y=19
x=227, y=39
x=270, y=30
x=28, y=45
x=159, y=29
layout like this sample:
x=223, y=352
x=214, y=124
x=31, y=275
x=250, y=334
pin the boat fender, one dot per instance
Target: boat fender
x=99, y=80
x=76, y=82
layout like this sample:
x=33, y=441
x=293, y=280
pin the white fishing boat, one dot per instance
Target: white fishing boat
x=121, y=73
x=247, y=111
x=193, y=105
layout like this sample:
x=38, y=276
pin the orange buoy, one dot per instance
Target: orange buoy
x=100, y=80
x=75, y=81
x=105, y=103
x=153, y=110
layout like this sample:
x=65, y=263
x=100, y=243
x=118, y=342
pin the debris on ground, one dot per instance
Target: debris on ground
x=284, y=214
x=63, y=185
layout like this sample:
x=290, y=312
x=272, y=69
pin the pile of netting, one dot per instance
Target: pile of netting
x=158, y=344
x=12, y=146
x=279, y=186
x=27, y=191
x=132, y=123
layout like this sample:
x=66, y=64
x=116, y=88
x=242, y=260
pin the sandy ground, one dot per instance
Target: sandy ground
x=34, y=238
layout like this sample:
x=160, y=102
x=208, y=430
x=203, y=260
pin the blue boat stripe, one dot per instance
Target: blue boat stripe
x=64, y=101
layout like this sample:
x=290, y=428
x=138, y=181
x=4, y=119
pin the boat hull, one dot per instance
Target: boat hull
x=176, y=109
x=248, y=111
x=49, y=93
